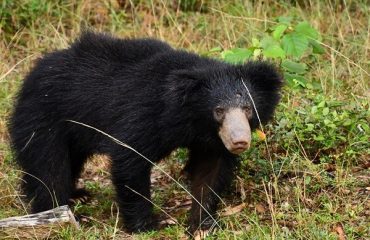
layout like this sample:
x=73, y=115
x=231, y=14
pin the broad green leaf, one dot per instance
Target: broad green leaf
x=314, y=109
x=310, y=127
x=295, y=80
x=347, y=122
x=321, y=104
x=279, y=31
x=285, y=20
x=316, y=47
x=268, y=41
x=306, y=29
x=319, y=138
x=325, y=111
x=294, y=67
x=236, y=55
x=295, y=44
x=274, y=51
x=271, y=48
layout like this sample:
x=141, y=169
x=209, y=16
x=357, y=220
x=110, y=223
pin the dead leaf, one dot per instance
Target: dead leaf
x=260, y=208
x=232, y=210
x=295, y=104
x=339, y=230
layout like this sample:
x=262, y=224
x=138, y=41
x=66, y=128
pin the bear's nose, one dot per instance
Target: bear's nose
x=240, y=144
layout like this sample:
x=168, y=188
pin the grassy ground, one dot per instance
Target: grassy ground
x=309, y=181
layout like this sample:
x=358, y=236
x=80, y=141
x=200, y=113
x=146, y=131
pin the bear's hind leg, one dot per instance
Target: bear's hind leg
x=78, y=160
x=47, y=173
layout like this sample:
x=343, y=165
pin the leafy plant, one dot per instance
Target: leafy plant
x=289, y=43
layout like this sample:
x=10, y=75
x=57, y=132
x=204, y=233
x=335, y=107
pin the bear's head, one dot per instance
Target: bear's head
x=232, y=100
x=243, y=97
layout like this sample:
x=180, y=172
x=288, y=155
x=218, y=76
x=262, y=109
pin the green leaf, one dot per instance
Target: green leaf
x=271, y=48
x=307, y=180
x=321, y=104
x=347, y=122
x=274, y=52
x=285, y=20
x=279, y=31
x=316, y=47
x=295, y=80
x=314, y=109
x=268, y=41
x=306, y=29
x=310, y=127
x=319, y=138
x=294, y=67
x=295, y=44
x=236, y=55
x=325, y=111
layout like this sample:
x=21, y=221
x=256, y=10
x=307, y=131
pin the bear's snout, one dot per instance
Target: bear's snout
x=235, y=131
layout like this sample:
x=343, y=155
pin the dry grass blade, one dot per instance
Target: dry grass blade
x=14, y=66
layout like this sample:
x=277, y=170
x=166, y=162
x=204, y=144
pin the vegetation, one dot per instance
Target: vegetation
x=309, y=179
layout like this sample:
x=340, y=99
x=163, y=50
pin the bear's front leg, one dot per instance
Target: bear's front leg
x=210, y=174
x=132, y=182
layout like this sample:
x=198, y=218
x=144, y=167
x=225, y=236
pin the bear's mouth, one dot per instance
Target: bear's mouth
x=238, y=150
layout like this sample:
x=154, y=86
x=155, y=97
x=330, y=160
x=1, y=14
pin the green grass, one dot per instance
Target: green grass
x=311, y=175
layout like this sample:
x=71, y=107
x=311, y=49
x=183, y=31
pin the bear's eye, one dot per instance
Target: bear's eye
x=248, y=111
x=219, y=111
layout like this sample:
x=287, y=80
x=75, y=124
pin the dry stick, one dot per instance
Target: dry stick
x=20, y=200
x=150, y=161
x=162, y=210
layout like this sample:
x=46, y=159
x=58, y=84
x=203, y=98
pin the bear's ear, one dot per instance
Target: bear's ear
x=188, y=75
x=265, y=83
x=183, y=83
x=264, y=76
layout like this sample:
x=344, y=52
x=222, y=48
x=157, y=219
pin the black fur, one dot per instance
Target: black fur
x=144, y=93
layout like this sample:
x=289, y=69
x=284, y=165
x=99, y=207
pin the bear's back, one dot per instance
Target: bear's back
x=104, y=47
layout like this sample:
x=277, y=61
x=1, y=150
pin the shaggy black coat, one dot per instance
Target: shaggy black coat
x=144, y=93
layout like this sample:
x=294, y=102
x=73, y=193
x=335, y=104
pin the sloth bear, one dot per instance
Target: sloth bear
x=153, y=98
